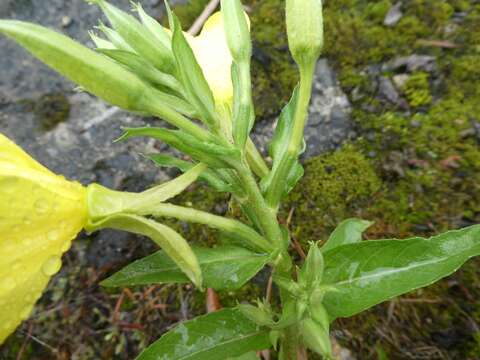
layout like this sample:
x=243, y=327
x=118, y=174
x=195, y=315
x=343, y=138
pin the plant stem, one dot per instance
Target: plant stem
x=267, y=218
x=255, y=160
x=277, y=186
x=171, y=116
x=243, y=231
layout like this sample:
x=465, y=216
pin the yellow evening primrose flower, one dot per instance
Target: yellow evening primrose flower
x=40, y=214
x=213, y=56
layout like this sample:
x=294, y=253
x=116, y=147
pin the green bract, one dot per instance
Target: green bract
x=202, y=87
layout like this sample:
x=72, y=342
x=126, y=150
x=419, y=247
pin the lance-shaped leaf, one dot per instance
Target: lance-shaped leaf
x=142, y=68
x=114, y=38
x=195, y=85
x=153, y=26
x=210, y=176
x=93, y=72
x=208, y=152
x=215, y=336
x=223, y=268
x=138, y=37
x=243, y=109
x=172, y=243
x=369, y=272
x=275, y=186
x=347, y=232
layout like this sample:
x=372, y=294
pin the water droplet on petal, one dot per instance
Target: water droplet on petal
x=7, y=284
x=53, y=235
x=42, y=206
x=66, y=245
x=52, y=266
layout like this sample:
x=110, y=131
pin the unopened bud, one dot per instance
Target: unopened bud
x=259, y=315
x=312, y=270
x=316, y=337
x=235, y=22
x=305, y=30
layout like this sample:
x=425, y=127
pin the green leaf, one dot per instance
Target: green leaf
x=243, y=109
x=278, y=150
x=215, y=336
x=142, y=68
x=208, y=152
x=369, y=272
x=347, y=232
x=153, y=26
x=195, y=85
x=209, y=176
x=138, y=37
x=223, y=268
x=172, y=243
x=83, y=66
x=248, y=356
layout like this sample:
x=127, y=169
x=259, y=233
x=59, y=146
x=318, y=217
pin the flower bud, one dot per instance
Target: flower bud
x=312, y=271
x=237, y=30
x=260, y=315
x=305, y=30
x=316, y=337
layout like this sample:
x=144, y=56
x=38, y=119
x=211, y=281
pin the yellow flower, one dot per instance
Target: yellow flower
x=213, y=56
x=40, y=214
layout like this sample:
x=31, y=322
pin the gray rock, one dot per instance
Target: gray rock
x=394, y=15
x=400, y=80
x=412, y=63
x=329, y=123
x=387, y=90
x=30, y=78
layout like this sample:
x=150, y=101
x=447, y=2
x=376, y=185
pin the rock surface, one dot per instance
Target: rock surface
x=329, y=123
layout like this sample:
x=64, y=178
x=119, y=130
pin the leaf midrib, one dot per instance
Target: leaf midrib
x=349, y=282
x=224, y=343
x=212, y=261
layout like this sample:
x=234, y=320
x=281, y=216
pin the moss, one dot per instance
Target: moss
x=417, y=90
x=52, y=110
x=332, y=184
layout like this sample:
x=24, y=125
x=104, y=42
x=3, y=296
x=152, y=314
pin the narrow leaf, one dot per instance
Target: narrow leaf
x=191, y=75
x=142, y=68
x=209, y=175
x=208, y=152
x=369, y=272
x=223, y=268
x=93, y=72
x=347, y=232
x=138, y=37
x=281, y=158
x=172, y=243
x=153, y=26
x=215, y=336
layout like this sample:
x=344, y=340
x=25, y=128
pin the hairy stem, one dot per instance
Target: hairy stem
x=243, y=231
x=267, y=219
x=275, y=191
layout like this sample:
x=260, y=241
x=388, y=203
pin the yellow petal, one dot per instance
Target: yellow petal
x=40, y=213
x=213, y=55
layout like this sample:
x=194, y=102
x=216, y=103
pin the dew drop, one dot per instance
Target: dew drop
x=65, y=246
x=41, y=206
x=51, y=266
x=7, y=284
x=53, y=235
